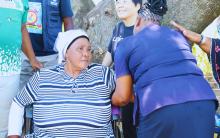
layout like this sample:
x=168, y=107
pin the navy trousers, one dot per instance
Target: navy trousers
x=187, y=120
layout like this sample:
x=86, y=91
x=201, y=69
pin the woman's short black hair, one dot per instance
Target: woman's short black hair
x=158, y=7
x=153, y=10
x=137, y=2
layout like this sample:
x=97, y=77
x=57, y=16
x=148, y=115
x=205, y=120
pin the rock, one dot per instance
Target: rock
x=99, y=24
x=193, y=14
x=81, y=9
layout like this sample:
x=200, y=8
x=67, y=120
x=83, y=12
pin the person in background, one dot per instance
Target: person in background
x=71, y=100
x=13, y=38
x=210, y=46
x=127, y=12
x=45, y=19
x=172, y=97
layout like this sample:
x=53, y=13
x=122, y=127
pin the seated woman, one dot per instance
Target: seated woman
x=210, y=46
x=71, y=100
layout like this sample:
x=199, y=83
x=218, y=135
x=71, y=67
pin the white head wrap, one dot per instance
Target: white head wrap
x=64, y=39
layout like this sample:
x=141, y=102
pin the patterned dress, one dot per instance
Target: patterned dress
x=215, y=59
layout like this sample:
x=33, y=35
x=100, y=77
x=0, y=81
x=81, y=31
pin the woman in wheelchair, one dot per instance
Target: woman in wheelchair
x=71, y=100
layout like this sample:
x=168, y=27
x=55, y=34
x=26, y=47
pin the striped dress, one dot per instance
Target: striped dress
x=64, y=107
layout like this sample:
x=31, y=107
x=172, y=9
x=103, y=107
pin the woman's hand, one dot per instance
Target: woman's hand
x=36, y=65
x=192, y=36
x=202, y=41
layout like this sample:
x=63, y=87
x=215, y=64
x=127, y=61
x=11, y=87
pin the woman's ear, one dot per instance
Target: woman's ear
x=137, y=25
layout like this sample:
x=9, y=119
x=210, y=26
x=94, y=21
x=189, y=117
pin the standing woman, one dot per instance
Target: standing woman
x=127, y=11
x=172, y=97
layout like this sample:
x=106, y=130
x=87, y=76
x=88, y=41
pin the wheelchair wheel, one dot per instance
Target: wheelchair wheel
x=117, y=129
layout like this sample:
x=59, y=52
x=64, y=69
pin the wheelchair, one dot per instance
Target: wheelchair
x=116, y=123
x=217, y=125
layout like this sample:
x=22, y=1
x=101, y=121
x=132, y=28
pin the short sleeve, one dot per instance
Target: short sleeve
x=66, y=10
x=28, y=95
x=121, y=59
x=111, y=80
x=26, y=7
x=215, y=43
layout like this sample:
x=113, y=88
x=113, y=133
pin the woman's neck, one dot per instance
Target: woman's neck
x=71, y=71
x=130, y=21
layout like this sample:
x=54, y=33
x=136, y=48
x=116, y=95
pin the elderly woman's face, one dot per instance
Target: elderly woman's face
x=79, y=54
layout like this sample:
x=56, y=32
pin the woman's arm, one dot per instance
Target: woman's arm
x=28, y=50
x=202, y=41
x=123, y=92
x=68, y=23
x=107, y=61
x=15, y=121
